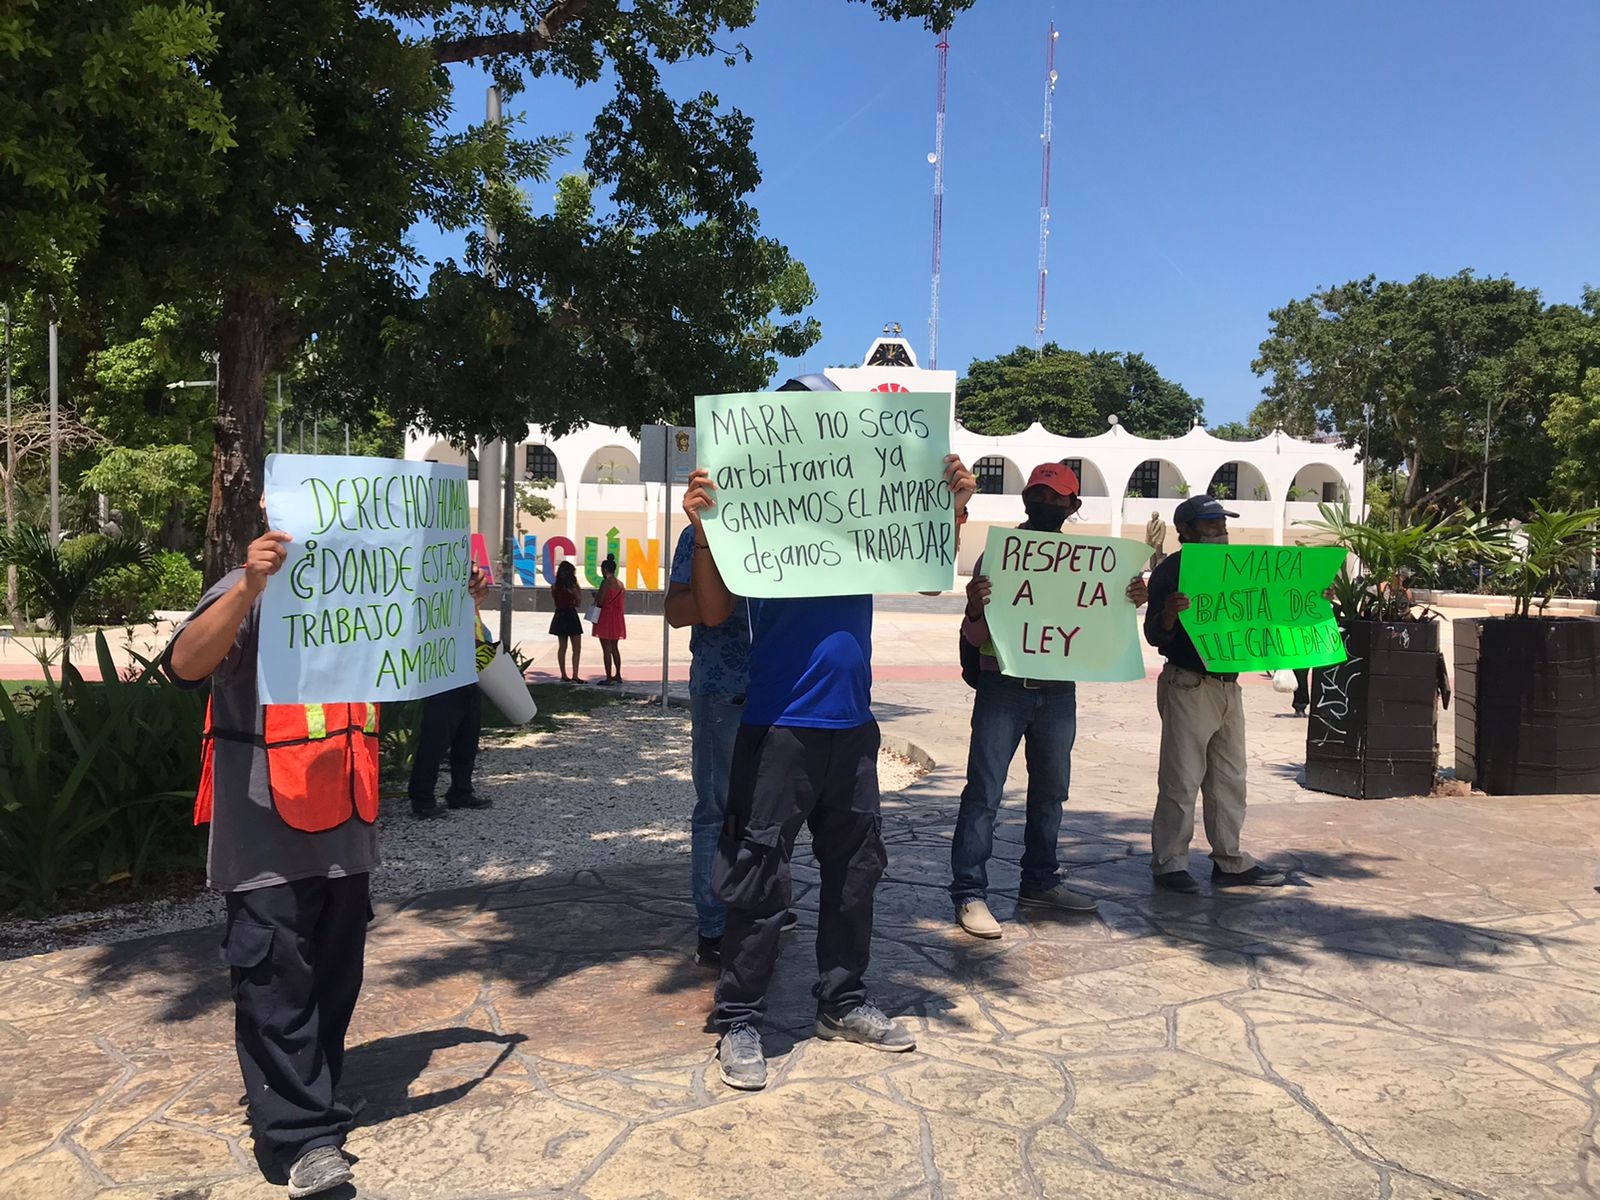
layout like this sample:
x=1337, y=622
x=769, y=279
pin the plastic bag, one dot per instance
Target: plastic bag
x=1283, y=680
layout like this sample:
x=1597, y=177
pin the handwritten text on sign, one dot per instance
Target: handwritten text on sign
x=1058, y=605
x=829, y=493
x=1261, y=608
x=372, y=602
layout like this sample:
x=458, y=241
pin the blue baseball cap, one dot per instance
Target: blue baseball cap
x=1199, y=508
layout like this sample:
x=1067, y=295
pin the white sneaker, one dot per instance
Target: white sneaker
x=974, y=916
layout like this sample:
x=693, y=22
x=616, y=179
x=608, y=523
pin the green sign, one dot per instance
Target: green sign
x=1260, y=608
x=1058, y=605
x=829, y=493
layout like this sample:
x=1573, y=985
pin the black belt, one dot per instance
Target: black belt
x=1222, y=675
x=1032, y=685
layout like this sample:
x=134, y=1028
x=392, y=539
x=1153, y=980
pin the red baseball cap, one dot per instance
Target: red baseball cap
x=1058, y=477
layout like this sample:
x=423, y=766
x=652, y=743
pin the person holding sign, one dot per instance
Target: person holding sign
x=291, y=794
x=1202, y=730
x=806, y=753
x=1006, y=711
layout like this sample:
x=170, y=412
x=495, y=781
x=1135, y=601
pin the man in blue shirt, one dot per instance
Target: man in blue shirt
x=806, y=753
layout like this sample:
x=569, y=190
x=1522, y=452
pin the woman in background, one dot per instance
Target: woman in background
x=565, y=624
x=611, y=628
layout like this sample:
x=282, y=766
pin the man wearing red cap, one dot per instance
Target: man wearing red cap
x=1007, y=711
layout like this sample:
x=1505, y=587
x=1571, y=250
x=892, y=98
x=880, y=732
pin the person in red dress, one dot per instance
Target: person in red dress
x=612, y=626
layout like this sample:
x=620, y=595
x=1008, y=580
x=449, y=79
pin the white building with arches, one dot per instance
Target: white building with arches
x=1271, y=482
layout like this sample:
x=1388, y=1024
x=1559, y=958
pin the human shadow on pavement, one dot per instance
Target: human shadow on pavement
x=384, y=1069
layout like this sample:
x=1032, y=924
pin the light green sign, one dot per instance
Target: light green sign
x=372, y=602
x=1058, y=605
x=1261, y=608
x=829, y=493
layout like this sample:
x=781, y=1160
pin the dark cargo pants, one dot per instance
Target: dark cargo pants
x=783, y=777
x=296, y=954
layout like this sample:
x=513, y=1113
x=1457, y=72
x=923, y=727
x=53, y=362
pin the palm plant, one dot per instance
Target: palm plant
x=1556, y=543
x=57, y=578
x=1390, y=557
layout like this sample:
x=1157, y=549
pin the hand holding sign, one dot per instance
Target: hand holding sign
x=1060, y=606
x=1259, y=608
x=263, y=558
x=374, y=600
x=828, y=493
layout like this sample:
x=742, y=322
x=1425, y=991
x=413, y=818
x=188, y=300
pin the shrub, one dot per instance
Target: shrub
x=133, y=594
x=96, y=783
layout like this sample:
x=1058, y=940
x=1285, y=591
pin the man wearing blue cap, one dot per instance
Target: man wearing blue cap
x=1202, y=731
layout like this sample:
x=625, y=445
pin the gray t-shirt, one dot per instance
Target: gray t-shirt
x=250, y=845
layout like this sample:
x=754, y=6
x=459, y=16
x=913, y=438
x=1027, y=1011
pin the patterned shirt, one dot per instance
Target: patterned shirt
x=720, y=662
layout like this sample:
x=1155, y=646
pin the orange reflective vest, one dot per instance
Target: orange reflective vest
x=322, y=763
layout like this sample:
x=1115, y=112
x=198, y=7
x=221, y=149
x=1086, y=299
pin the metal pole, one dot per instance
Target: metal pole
x=1488, y=408
x=347, y=438
x=55, y=442
x=10, y=450
x=280, y=412
x=508, y=457
x=666, y=560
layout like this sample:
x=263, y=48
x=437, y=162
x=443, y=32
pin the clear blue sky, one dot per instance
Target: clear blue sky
x=1212, y=161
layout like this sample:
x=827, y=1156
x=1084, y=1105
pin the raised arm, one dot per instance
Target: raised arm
x=206, y=640
x=712, y=600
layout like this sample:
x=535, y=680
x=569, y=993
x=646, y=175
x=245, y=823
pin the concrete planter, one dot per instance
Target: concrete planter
x=1529, y=696
x=1373, y=727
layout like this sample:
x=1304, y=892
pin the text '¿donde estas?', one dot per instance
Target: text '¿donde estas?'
x=372, y=603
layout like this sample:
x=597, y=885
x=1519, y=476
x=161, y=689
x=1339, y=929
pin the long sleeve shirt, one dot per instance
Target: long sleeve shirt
x=1174, y=644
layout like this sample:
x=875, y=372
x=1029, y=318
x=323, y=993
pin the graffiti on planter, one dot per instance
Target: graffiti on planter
x=1332, y=712
x=638, y=562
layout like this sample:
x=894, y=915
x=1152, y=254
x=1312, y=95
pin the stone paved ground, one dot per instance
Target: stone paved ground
x=1417, y=1017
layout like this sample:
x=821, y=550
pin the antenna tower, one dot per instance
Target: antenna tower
x=937, y=159
x=1044, y=183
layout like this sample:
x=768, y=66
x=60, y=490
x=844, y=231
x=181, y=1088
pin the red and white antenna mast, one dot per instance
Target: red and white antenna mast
x=1044, y=183
x=937, y=159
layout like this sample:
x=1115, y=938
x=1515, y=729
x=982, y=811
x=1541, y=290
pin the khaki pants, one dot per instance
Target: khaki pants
x=1202, y=749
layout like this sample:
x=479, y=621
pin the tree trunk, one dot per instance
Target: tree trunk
x=239, y=460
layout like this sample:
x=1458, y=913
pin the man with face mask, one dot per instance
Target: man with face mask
x=1006, y=711
x=1202, y=730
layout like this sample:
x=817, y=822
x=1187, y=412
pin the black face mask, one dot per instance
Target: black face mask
x=1047, y=518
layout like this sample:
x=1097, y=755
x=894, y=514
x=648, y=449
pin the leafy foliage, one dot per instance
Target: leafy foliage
x=1072, y=393
x=1535, y=564
x=1391, y=559
x=1412, y=371
x=58, y=579
x=96, y=781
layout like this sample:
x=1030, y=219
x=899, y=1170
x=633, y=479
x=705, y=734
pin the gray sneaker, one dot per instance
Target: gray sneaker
x=739, y=1057
x=317, y=1171
x=1059, y=897
x=866, y=1025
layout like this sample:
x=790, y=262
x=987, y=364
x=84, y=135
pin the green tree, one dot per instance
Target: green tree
x=280, y=159
x=1574, y=421
x=150, y=486
x=1071, y=393
x=1234, y=431
x=1412, y=371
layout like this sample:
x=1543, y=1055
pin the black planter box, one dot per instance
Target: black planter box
x=1373, y=728
x=1528, y=690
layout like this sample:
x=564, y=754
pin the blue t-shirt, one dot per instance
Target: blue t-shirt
x=811, y=663
x=720, y=654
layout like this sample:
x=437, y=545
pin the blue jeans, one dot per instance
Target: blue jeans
x=1003, y=714
x=715, y=718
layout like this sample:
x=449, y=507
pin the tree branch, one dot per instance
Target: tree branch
x=523, y=42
